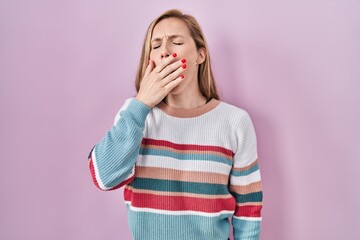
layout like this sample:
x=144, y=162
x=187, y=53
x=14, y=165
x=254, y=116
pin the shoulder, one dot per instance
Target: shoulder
x=234, y=112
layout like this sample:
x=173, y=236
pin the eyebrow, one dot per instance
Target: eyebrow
x=170, y=37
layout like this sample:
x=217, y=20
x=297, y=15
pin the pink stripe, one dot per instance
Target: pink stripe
x=248, y=211
x=179, y=203
x=148, y=141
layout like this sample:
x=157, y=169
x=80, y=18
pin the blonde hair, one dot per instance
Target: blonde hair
x=206, y=79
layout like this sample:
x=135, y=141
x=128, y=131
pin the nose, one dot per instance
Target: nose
x=165, y=52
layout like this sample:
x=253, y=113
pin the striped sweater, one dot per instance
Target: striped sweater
x=187, y=173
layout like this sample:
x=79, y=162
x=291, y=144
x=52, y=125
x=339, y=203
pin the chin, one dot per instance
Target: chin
x=176, y=90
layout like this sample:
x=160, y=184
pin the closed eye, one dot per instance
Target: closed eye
x=176, y=43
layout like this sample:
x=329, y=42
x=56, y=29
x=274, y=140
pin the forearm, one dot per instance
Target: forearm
x=112, y=160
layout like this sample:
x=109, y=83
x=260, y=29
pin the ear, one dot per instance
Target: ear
x=201, y=56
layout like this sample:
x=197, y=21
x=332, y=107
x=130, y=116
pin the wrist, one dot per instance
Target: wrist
x=144, y=102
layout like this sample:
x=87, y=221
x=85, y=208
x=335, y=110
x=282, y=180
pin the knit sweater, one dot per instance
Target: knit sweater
x=186, y=172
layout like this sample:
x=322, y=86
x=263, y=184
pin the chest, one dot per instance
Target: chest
x=164, y=159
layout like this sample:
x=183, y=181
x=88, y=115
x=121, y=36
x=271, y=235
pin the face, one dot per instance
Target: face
x=171, y=35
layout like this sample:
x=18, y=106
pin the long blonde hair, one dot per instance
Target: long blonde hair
x=205, y=76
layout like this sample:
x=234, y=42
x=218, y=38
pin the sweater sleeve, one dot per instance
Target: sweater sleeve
x=112, y=160
x=245, y=183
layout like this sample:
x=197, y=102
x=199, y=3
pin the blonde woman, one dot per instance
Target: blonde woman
x=187, y=160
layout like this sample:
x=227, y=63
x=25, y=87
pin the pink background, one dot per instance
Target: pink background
x=67, y=66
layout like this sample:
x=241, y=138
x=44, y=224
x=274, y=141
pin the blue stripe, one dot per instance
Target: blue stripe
x=245, y=172
x=250, y=197
x=246, y=229
x=156, y=226
x=185, y=156
x=179, y=186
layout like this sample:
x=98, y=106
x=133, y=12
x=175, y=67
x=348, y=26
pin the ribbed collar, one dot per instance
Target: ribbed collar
x=188, y=113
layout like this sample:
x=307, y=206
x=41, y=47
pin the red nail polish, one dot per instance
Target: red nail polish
x=182, y=76
x=174, y=55
x=184, y=66
x=183, y=60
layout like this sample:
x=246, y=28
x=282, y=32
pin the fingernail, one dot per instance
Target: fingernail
x=183, y=60
x=184, y=66
x=182, y=76
x=174, y=55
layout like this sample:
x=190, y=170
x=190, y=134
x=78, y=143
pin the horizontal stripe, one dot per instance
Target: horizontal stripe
x=173, y=174
x=248, y=211
x=187, y=151
x=178, y=213
x=179, y=203
x=185, y=156
x=255, y=219
x=154, y=224
x=250, y=203
x=179, y=186
x=184, y=147
x=252, y=187
x=240, y=169
x=246, y=180
x=171, y=163
x=250, y=197
x=246, y=227
x=177, y=193
x=244, y=172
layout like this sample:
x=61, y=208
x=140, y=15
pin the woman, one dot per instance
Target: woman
x=187, y=161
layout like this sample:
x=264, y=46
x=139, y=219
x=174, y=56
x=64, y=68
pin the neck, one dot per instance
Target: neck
x=187, y=99
x=182, y=101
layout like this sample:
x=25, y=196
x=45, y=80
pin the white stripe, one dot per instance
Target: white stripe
x=188, y=212
x=249, y=218
x=185, y=130
x=245, y=180
x=244, y=161
x=185, y=165
x=97, y=175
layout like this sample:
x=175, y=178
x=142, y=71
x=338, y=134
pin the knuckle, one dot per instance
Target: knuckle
x=157, y=77
x=163, y=65
x=156, y=70
x=169, y=68
x=171, y=76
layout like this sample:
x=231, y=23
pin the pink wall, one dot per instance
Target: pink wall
x=67, y=66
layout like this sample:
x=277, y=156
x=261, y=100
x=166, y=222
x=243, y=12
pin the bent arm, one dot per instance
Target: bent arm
x=112, y=160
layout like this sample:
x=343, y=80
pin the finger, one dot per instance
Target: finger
x=165, y=62
x=174, y=74
x=168, y=87
x=149, y=68
x=169, y=69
